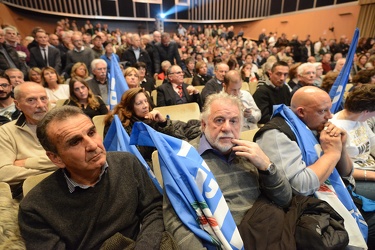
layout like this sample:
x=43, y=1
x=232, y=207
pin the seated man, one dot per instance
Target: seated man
x=176, y=91
x=20, y=152
x=306, y=76
x=251, y=113
x=93, y=196
x=305, y=169
x=215, y=84
x=8, y=110
x=272, y=90
x=240, y=167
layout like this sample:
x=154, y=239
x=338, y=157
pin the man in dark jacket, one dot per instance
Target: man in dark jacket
x=168, y=50
x=9, y=57
x=136, y=54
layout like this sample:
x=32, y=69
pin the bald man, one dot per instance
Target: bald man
x=304, y=165
x=21, y=153
x=312, y=106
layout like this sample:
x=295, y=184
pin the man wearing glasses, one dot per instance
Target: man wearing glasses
x=176, y=91
x=21, y=153
x=8, y=110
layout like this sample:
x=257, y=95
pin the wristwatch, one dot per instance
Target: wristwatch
x=269, y=171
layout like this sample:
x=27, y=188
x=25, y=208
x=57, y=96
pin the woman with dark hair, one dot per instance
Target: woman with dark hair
x=246, y=73
x=360, y=144
x=145, y=81
x=361, y=62
x=81, y=96
x=133, y=107
x=54, y=85
x=201, y=77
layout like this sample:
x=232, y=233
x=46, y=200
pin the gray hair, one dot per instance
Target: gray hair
x=57, y=114
x=303, y=67
x=96, y=61
x=220, y=96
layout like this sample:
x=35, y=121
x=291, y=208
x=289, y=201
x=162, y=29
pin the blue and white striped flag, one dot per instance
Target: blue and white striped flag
x=192, y=189
x=117, y=139
x=338, y=88
x=117, y=85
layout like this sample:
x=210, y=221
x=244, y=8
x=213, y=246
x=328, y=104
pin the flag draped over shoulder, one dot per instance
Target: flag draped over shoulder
x=191, y=188
x=117, y=85
x=338, y=88
x=117, y=139
x=333, y=190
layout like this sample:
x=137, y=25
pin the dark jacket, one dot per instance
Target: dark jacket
x=169, y=53
x=129, y=56
x=167, y=96
x=4, y=64
x=54, y=59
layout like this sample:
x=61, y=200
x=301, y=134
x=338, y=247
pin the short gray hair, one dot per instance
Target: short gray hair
x=96, y=61
x=57, y=114
x=220, y=96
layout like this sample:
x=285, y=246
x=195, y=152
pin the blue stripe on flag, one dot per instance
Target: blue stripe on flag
x=117, y=83
x=190, y=185
x=338, y=88
x=117, y=139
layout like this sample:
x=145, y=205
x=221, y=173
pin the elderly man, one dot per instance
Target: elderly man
x=95, y=198
x=9, y=57
x=8, y=110
x=136, y=54
x=251, y=113
x=238, y=166
x=99, y=83
x=16, y=76
x=80, y=53
x=168, y=50
x=306, y=74
x=20, y=152
x=272, y=90
x=215, y=84
x=176, y=91
x=44, y=55
x=11, y=38
x=304, y=165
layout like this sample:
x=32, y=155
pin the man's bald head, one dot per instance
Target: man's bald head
x=312, y=105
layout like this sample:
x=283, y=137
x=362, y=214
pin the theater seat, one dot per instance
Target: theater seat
x=248, y=135
x=182, y=112
x=99, y=124
x=156, y=167
x=32, y=181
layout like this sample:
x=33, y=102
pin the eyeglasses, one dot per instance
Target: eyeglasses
x=4, y=85
x=177, y=73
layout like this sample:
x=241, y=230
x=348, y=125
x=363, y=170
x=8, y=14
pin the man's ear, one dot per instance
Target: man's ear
x=300, y=112
x=55, y=159
x=17, y=104
x=203, y=125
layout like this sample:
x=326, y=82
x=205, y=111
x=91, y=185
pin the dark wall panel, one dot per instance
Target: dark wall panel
x=141, y=9
x=126, y=8
x=108, y=8
x=305, y=4
x=321, y=3
x=168, y=7
x=345, y=1
x=275, y=7
x=290, y=6
x=154, y=10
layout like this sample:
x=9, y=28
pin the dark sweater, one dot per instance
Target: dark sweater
x=266, y=96
x=50, y=217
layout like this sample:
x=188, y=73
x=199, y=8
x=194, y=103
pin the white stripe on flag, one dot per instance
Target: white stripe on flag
x=184, y=150
x=221, y=211
x=236, y=239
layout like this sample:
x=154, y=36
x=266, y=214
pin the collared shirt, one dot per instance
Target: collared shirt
x=82, y=49
x=137, y=52
x=204, y=146
x=72, y=185
x=174, y=85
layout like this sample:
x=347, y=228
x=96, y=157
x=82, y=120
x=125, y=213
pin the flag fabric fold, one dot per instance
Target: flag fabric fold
x=117, y=139
x=117, y=85
x=191, y=188
x=338, y=88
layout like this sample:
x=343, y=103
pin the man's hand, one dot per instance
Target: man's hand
x=252, y=152
x=335, y=131
x=191, y=90
x=330, y=143
x=20, y=163
x=247, y=112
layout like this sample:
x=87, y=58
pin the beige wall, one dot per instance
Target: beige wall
x=315, y=23
x=24, y=23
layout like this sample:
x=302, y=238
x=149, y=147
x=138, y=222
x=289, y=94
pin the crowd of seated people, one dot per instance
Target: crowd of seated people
x=73, y=64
